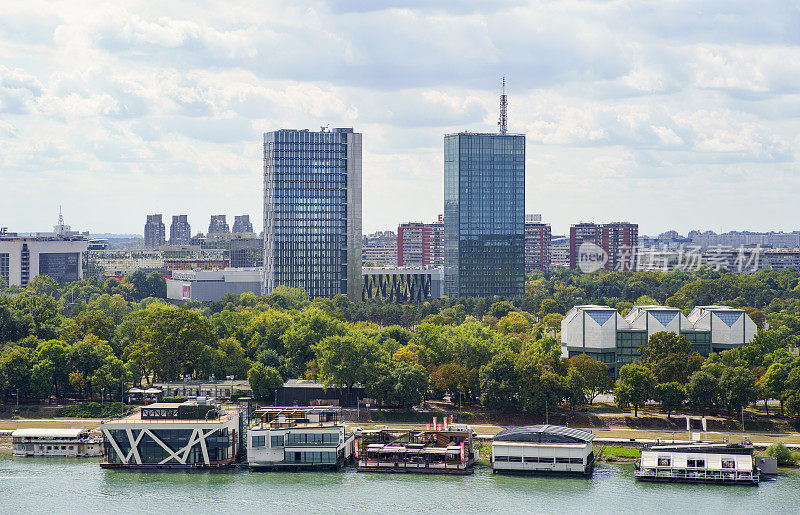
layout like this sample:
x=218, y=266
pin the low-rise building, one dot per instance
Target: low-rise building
x=210, y=285
x=543, y=448
x=298, y=438
x=218, y=389
x=197, y=433
x=303, y=392
x=62, y=443
x=402, y=284
x=603, y=334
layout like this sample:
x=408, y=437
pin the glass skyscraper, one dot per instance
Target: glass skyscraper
x=312, y=211
x=484, y=215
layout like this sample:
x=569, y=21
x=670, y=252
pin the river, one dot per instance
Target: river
x=81, y=486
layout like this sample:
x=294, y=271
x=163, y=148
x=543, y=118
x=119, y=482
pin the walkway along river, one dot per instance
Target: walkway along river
x=81, y=486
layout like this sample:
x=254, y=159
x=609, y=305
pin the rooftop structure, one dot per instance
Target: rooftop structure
x=303, y=392
x=210, y=285
x=543, y=448
x=218, y=389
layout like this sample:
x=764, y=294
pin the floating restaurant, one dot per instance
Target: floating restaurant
x=197, y=433
x=701, y=462
x=543, y=449
x=439, y=449
x=298, y=438
x=62, y=443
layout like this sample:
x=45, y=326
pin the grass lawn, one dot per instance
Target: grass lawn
x=620, y=452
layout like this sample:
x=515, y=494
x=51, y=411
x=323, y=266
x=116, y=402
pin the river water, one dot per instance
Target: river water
x=81, y=486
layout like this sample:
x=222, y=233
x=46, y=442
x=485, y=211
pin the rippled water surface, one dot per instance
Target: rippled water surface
x=80, y=486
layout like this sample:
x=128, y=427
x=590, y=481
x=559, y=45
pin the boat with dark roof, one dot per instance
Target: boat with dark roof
x=543, y=449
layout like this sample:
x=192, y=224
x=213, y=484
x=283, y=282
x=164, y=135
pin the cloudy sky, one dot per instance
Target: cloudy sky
x=679, y=114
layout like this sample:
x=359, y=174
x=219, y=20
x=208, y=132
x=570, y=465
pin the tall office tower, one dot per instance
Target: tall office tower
x=218, y=225
x=537, y=244
x=619, y=240
x=312, y=211
x=180, y=232
x=155, y=232
x=484, y=213
x=420, y=244
x=242, y=224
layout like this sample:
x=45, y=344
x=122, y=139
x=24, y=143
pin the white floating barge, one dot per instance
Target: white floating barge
x=63, y=443
x=701, y=462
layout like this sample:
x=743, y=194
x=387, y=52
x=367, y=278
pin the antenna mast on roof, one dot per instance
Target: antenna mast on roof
x=503, y=109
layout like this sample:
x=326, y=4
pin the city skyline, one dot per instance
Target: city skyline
x=129, y=111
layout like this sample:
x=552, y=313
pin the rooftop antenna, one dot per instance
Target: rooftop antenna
x=503, y=109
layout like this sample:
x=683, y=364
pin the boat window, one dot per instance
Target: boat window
x=728, y=464
x=576, y=460
x=663, y=461
x=696, y=463
x=531, y=459
x=562, y=460
x=545, y=460
x=501, y=458
x=515, y=459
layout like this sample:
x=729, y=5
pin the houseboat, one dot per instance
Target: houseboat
x=63, y=443
x=431, y=451
x=543, y=449
x=298, y=438
x=700, y=462
x=198, y=433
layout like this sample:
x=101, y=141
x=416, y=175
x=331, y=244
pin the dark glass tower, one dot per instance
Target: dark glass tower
x=312, y=211
x=484, y=214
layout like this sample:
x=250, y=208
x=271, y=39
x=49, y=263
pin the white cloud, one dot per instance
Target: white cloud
x=679, y=109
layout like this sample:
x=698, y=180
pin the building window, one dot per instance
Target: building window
x=276, y=441
x=695, y=463
x=728, y=464
x=664, y=461
x=259, y=441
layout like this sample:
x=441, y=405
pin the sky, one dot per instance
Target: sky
x=674, y=115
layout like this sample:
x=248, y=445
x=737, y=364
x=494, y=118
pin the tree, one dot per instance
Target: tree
x=410, y=384
x=635, y=386
x=553, y=321
x=774, y=382
x=41, y=382
x=514, y=322
x=781, y=452
x=175, y=338
x=594, y=373
x=349, y=359
x=233, y=360
x=264, y=381
x=15, y=369
x=308, y=329
x=57, y=353
x=670, y=357
x=702, y=390
x=498, y=381
x=575, y=389
x=670, y=395
x=43, y=285
x=738, y=388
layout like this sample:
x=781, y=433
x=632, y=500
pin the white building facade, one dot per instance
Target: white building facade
x=603, y=334
x=298, y=438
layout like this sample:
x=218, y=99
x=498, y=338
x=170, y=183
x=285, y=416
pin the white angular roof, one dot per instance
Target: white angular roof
x=46, y=432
